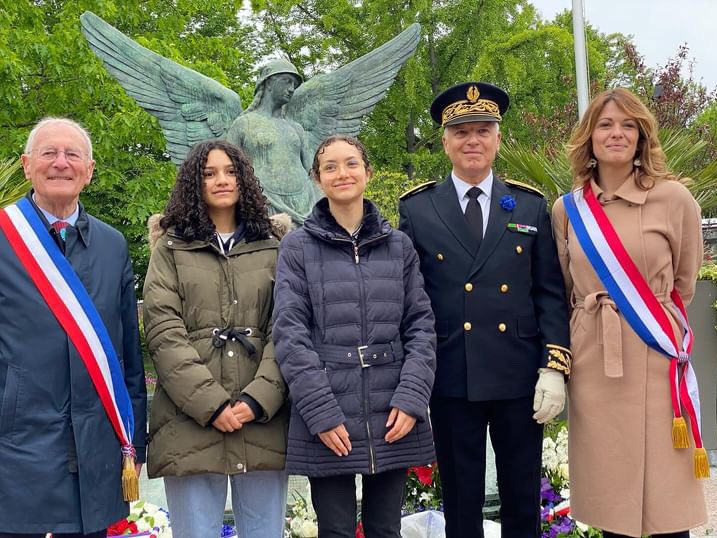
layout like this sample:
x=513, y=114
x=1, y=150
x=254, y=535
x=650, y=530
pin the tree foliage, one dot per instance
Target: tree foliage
x=48, y=70
x=12, y=183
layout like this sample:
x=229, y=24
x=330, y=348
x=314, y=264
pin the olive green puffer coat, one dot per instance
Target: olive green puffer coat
x=193, y=292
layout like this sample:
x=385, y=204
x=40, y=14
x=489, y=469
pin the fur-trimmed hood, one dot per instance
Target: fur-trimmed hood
x=280, y=225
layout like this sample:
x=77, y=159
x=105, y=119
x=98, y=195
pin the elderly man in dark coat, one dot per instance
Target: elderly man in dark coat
x=61, y=469
x=492, y=273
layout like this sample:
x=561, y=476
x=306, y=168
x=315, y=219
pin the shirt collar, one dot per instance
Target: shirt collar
x=628, y=191
x=462, y=186
x=71, y=220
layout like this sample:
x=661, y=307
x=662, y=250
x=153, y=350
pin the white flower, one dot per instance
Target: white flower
x=564, y=471
x=425, y=497
x=309, y=529
x=304, y=528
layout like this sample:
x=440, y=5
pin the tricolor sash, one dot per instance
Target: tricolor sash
x=642, y=310
x=73, y=308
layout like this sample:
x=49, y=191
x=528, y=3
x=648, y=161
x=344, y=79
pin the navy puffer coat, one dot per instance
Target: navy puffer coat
x=340, y=302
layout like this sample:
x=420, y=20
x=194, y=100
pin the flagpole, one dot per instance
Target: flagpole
x=581, y=69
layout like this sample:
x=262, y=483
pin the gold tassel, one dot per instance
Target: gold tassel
x=680, y=436
x=130, y=482
x=702, y=466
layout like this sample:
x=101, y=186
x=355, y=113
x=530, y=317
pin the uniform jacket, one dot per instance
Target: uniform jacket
x=194, y=294
x=340, y=303
x=61, y=460
x=500, y=312
x=620, y=426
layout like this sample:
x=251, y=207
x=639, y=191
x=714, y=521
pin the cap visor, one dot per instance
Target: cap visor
x=471, y=118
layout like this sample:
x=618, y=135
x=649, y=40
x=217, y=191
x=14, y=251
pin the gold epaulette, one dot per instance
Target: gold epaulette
x=523, y=186
x=418, y=188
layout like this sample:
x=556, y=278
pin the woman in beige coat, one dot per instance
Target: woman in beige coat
x=625, y=475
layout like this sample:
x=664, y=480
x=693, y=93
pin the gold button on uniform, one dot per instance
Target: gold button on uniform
x=467, y=326
x=439, y=257
x=519, y=249
x=502, y=327
x=468, y=286
x=503, y=288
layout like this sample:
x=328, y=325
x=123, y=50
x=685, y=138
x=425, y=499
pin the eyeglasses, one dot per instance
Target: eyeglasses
x=50, y=154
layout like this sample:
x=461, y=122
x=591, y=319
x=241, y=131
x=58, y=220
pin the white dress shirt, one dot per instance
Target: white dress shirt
x=484, y=199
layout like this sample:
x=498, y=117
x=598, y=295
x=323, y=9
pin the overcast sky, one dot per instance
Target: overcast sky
x=658, y=27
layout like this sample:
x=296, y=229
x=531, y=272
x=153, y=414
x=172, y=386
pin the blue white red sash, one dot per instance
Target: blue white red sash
x=638, y=304
x=70, y=303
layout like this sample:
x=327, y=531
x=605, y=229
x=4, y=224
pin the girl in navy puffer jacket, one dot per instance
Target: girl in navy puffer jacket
x=355, y=341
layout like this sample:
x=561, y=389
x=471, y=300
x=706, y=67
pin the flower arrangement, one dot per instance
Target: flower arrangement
x=423, y=489
x=301, y=519
x=555, y=519
x=144, y=519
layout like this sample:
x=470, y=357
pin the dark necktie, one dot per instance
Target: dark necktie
x=474, y=215
x=60, y=227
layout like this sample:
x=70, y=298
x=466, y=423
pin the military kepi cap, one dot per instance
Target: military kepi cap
x=469, y=101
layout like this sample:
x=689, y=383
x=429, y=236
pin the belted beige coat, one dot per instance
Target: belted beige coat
x=625, y=477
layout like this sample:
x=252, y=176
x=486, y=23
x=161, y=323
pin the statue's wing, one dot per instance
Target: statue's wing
x=336, y=102
x=190, y=107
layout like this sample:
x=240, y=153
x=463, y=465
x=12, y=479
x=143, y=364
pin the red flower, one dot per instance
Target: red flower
x=122, y=527
x=359, y=530
x=424, y=473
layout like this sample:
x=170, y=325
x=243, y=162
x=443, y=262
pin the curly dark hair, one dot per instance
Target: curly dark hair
x=186, y=209
x=339, y=138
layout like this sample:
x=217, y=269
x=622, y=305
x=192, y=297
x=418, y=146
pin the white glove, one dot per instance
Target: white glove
x=549, y=398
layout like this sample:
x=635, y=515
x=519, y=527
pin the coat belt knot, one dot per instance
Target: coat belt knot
x=609, y=331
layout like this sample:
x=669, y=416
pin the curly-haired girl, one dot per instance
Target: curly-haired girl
x=218, y=410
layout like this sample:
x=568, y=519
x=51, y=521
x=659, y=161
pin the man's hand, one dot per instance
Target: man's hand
x=243, y=412
x=227, y=422
x=399, y=424
x=337, y=439
x=549, y=398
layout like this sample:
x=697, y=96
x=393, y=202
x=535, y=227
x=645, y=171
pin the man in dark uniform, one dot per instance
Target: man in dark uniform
x=492, y=273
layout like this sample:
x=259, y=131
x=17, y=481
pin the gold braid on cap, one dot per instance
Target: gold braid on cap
x=464, y=108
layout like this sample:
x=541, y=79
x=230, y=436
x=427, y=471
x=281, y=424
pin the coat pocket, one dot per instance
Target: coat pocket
x=10, y=379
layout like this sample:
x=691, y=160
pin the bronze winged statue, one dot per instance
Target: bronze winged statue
x=281, y=128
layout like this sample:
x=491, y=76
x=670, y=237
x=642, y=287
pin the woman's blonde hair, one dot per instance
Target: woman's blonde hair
x=649, y=151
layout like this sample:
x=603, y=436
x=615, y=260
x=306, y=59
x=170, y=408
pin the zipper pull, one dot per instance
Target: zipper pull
x=356, y=256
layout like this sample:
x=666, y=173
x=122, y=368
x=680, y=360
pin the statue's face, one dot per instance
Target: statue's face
x=282, y=87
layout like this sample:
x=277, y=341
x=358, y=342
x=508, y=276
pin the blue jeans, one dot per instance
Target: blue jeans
x=196, y=504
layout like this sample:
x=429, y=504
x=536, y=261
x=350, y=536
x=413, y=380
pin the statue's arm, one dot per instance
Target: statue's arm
x=307, y=158
x=236, y=132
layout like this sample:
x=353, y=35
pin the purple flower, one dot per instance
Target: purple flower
x=562, y=525
x=507, y=202
x=228, y=531
x=547, y=493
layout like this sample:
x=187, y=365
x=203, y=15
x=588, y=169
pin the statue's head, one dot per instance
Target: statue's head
x=277, y=67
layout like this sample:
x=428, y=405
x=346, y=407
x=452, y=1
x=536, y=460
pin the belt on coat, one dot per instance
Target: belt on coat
x=609, y=330
x=220, y=336
x=370, y=355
